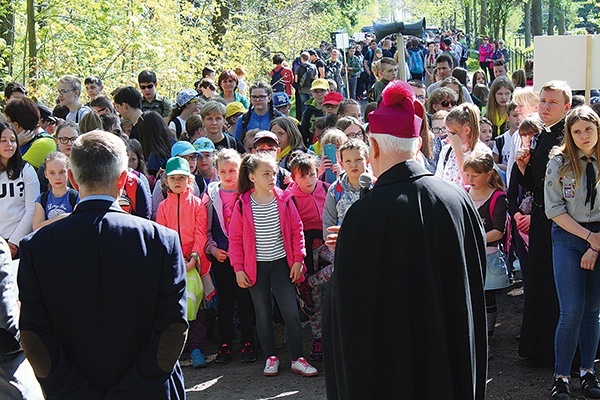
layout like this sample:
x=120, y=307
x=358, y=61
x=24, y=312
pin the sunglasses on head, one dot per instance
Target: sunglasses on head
x=148, y=86
x=447, y=103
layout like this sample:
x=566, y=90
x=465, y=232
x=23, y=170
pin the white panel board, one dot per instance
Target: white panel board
x=565, y=58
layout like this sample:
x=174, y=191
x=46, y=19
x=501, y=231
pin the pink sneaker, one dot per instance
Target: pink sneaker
x=302, y=367
x=271, y=366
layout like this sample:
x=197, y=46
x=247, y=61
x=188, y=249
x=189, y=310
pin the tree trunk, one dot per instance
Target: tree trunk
x=219, y=28
x=475, y=18
x=467, y=18
x=561, y=20
x=527, y=22
x=483, y=18
x=31, y=42
x=551, y=11
x=536, y=17
x=7, y=30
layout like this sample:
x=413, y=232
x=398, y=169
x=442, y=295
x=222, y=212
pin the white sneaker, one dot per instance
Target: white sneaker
x=271, y=366
x=302, y=367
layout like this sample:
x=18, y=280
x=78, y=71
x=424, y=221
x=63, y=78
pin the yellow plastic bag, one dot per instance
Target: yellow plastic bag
x=194, y=291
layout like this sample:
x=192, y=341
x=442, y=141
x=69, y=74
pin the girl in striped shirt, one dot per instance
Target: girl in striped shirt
x=266, y=247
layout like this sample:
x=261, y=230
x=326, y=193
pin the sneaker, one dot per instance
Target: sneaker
x=224, y=354
x=302, y=367
x=303, y=292
x=590, y=385
x=248, y=355
x=560, y=390
x=198, y=359
x=316, y=354
x=271, y=366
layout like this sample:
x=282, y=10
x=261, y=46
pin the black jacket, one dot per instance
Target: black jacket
x=405, y=316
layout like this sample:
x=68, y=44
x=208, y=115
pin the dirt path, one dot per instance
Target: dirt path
x=508, y=376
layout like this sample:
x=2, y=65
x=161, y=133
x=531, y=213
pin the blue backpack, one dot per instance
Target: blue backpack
x=415, y=62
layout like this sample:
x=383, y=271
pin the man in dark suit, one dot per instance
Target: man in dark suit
x=103, y=292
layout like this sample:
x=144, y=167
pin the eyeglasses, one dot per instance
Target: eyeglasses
x=67, y=140
x=439, y=130
x=354, y=135
x=148, y=86
x=49, y=121
x=191, y=157
x=272, y=150
x=259, y=97
x=447, y=103
x=65, y=91
x=330, y=105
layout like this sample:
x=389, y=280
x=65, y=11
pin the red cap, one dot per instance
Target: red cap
x=334, y=98
x=399, y=113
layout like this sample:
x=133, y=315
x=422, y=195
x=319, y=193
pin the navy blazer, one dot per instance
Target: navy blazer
x=103, y=306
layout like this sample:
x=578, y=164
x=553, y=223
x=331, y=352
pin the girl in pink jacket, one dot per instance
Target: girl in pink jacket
x=266, y=249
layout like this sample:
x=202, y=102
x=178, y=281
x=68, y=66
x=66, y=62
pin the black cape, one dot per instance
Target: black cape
x=405, y=315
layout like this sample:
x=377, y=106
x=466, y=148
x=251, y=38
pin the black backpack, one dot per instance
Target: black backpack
x=277, y=81
x=308, y=76
x=72, y=198
x=178, y=127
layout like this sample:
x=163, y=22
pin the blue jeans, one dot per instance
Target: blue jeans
x=578, y=293
x=274, y=277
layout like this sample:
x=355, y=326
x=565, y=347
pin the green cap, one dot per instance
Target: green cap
x=177, y=166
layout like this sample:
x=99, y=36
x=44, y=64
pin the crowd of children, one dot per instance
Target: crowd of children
x=253, y=228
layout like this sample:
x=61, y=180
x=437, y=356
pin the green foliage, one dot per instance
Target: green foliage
x=116, y=39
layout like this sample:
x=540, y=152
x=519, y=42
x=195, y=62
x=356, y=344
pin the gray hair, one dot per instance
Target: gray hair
x=98, y=158
x=397, y=145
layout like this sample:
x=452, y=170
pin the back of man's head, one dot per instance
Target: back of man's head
x=98, y=159
x=130, y=96
x=207, y=71
x=278, y=59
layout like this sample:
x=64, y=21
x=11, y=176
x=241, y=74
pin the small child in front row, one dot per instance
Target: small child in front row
x=309, y=194
x=345, y=190
x=487, y=192
x=266, y=248
x=222, y=197
x=185, y=213
x=60, y=200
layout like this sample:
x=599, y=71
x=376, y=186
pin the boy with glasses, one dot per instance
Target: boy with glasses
x=69, y=92
x=152, y=101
